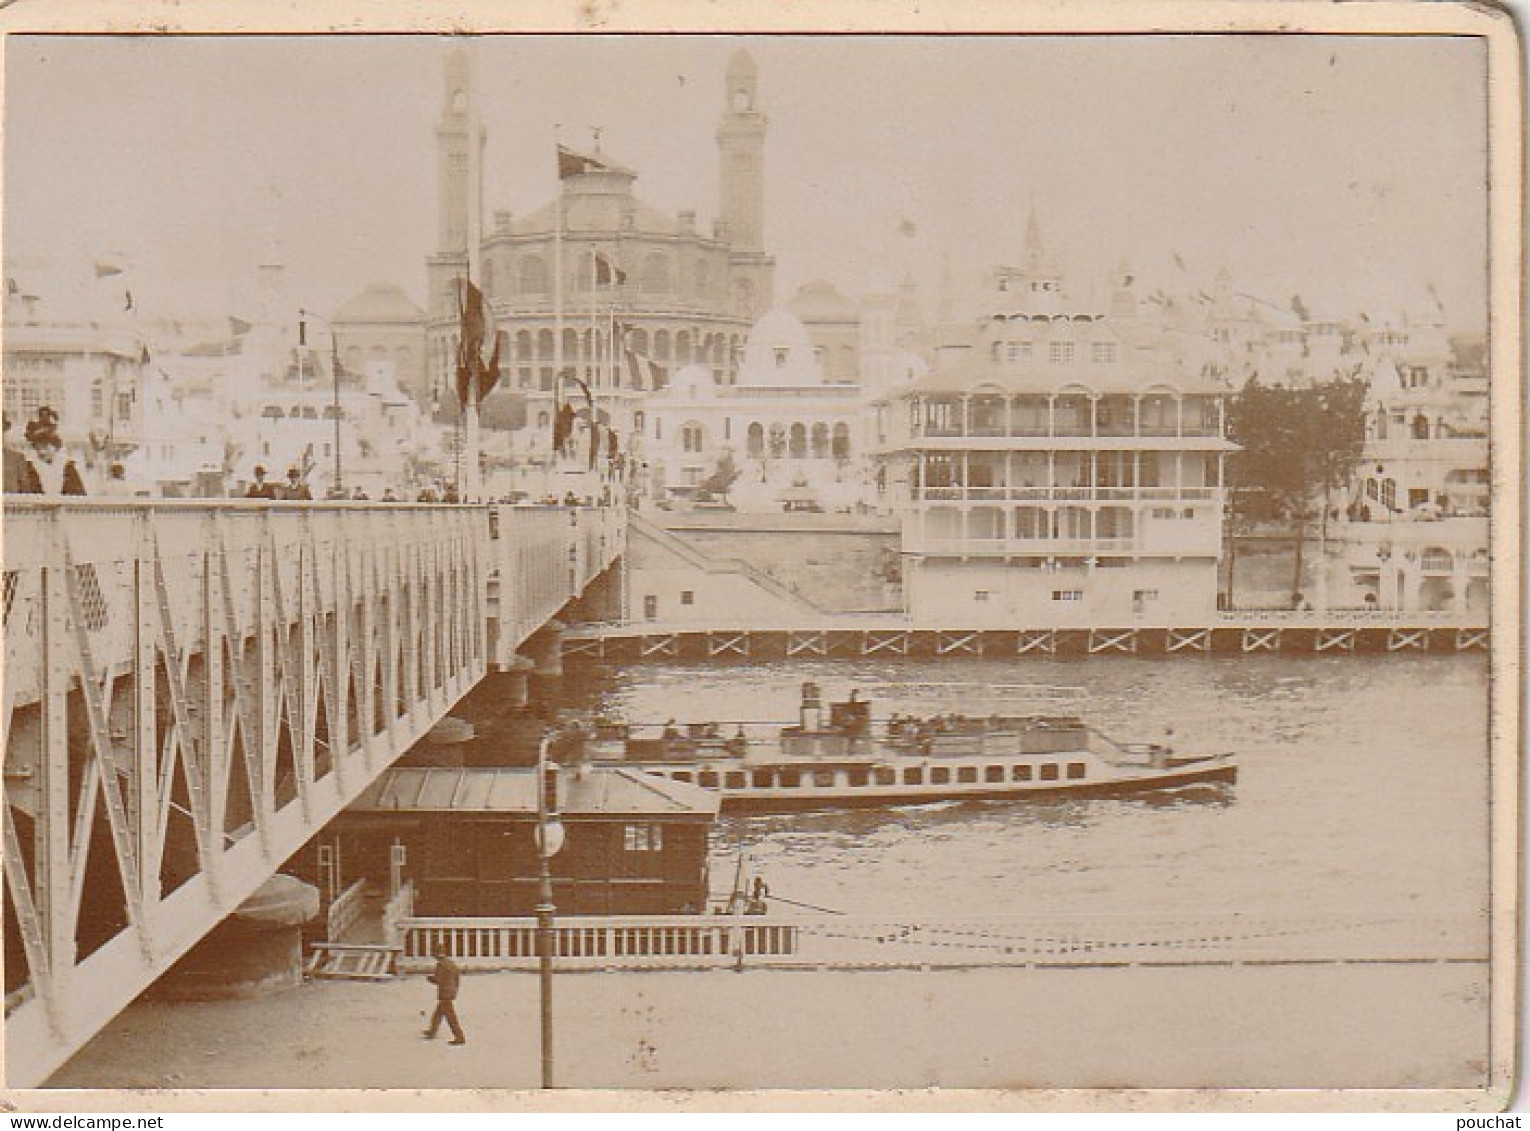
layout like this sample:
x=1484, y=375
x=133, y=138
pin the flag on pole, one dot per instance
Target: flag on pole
x=238, y=326
x=106, y=270
x=474, y=377
x=634, y=369
x=608, y=273
x=488, y=376
x=589, y=398
x=572, y=163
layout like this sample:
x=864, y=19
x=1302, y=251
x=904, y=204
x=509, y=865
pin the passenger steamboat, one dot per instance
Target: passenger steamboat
x=841, y=758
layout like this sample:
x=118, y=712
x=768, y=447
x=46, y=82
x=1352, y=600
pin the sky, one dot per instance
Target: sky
x=1349, y=170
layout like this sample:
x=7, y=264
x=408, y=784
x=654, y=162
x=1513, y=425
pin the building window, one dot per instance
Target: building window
x=650, y=608
x=643, y=838
x=781, y=354
x=690, y=437
x=687, y=596
x=1049, y=772
x=1067, y=594
x=980, y=596
x=1060, y=352
x=1103, y=353
x=1075, y=771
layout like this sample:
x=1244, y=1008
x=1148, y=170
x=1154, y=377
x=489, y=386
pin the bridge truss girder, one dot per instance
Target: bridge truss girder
x=191, y=692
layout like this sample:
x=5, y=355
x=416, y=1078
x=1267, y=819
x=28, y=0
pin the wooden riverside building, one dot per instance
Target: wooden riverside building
x=464, y=838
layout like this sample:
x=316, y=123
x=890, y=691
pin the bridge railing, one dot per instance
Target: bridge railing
x=540, y=558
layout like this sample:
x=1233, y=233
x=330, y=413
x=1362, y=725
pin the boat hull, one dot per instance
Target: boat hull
x=1218, y=772
x=749, y=802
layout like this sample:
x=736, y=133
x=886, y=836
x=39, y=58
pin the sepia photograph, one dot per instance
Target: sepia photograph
x=594, y=559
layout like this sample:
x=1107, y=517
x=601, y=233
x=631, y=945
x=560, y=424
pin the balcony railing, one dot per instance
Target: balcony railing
x=1028, y=547
x=1061, y=431
x=1066, y=494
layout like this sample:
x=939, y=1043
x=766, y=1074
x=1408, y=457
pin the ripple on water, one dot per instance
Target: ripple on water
x=1363, y=783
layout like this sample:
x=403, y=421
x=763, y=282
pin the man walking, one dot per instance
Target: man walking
x=446, y=976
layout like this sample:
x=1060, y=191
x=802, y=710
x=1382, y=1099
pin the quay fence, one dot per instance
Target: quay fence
x=857, y=941
x=344, y=911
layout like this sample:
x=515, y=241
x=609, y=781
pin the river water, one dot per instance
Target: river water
x=1363, y=785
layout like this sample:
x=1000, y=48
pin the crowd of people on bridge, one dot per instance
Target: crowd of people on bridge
x=35, y=464
x=38, y=469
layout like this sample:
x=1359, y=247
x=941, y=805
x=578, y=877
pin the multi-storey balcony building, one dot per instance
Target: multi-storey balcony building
x=1062, y=472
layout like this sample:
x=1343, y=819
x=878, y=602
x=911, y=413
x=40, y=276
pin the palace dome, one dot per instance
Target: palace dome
x=379, y=302
x=779, y=352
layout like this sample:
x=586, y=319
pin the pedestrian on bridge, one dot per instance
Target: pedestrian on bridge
x=447, y=978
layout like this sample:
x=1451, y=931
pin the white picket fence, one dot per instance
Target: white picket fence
x=852, y=941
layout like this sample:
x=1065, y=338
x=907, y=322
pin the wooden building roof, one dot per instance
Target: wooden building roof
x=596, y=792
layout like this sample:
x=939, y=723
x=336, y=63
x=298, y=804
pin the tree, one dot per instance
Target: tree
x=715, y=486
x=1299, y=443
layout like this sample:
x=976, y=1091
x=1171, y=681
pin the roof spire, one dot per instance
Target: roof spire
x=1034, y=251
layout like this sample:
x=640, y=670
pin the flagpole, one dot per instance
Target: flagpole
x=470, y=489
x=594, y=357
x=557, y=302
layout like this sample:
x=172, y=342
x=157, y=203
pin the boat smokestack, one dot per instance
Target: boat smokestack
x=812, y=707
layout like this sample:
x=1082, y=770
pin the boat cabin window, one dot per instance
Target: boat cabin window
x=859, y=775
x=885, y=775
x=940, y=775
x=823, y=778
x=733, y=780
x=993, y=773
x=913, y=777
x=1049, y=772
x=966, y=774
x=1075, y=770
x=761, y=779
x=684, y=775
x=1020, y=773
x=790, y=779
x=708, y=779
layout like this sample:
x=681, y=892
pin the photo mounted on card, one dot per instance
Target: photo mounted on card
x=682, y=552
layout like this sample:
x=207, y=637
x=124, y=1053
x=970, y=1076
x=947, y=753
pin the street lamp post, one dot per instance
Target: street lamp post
x=303, y=316
x=550, y=836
